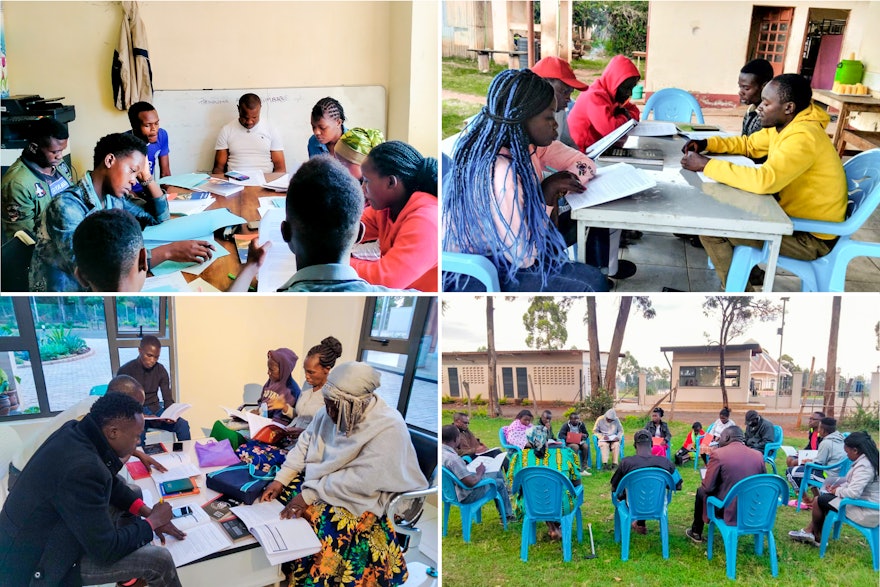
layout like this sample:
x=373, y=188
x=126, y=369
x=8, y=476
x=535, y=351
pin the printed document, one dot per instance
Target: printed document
x=200, y=541
x=282, y=540
x=734, y=159
x=280, y=263
x=611, y=183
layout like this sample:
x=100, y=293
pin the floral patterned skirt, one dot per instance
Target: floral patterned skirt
x=355, y=552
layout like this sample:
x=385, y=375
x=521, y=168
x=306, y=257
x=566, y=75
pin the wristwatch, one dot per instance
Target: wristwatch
x=146, y=183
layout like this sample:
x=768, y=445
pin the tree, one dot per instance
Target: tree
x=789, y=363
x=623, y=25
x=643, y=303
x=830, y=387
x=545, y=322
x=593, y=341
x=628, y=369
x=494, y=408
x=877, y=334
x=736, y=314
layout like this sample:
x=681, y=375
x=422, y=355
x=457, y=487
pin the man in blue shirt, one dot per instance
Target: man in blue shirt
x=145, y=125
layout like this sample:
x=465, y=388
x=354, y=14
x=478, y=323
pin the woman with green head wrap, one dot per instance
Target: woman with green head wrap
x=353, y=147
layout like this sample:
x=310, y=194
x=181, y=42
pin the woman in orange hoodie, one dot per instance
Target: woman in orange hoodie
x=400, y=187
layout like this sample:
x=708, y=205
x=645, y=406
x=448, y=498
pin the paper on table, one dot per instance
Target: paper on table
x=272, y=201
x=611, y=183
x=280, y=263
x=187, y=207
x=696, y=135
x=201, y=286
x=184, y=180
x=278, y=185
x=200, y=541
x=282, y=540
x=166, y=267
x=255, y=177
x=194, y=518
x=164, y=283
x=734, y=159
x=179, y=467
x=368, y=251
x=654, y=128
x=189, y=227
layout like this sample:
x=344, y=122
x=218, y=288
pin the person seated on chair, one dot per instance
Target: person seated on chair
x=605, y=105
x=830, y=451
x=280, y=391
x=500, y=205
x=145, y=125
x=36, y=177
x=561, y=76
x=537, y=454
x=644, y=457
x=110, y=253
x=608, y=431
x=324, y=205
x=803, y=170
x=456, y=465
x=683, y=454
x=118, y=164
x=710, y=440
x=861, y=482
x=546, y=420
x=753, y=76
x=249, y=143
x=575, y=427
x=813, y=438
x=328, y=126
x=515, y=432
x=353, y=147
x=759, y=431
x=731, y=462
x=339, y=477
x=71, y=520
x=468, y=444
x=660, y=431
x=153, y=376
x=400, y=186
x=319, y=360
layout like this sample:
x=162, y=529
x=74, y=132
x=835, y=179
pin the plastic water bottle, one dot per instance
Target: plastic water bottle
x=264, y=410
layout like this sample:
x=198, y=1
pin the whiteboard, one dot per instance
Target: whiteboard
x=193, y=118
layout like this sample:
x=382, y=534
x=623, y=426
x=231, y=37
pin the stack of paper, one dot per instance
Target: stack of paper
x=282, y=540
x=611, y=183
x=654, y=128
x=278, y=185
x=368, y=251
x=280, y=263
x=178, y=466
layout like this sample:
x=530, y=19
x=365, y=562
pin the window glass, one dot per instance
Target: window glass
x=137, y=314
x=422, y=408
x=8, y=321
x=393, y=317
x=708, y=376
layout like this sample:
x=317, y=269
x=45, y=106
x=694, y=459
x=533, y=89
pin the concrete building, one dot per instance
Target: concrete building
x=765, y=373
x=561, y=375
x=696, y=371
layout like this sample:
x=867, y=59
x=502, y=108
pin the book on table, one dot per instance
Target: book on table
x=256, y=422
x=220, y=187
x=282, y=540
x=220, y=508
x=611, y=183
x=172, y=412
x=634, y=156
x=696, y=127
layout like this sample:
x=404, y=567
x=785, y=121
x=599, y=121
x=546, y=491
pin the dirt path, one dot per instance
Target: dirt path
x=470, y=98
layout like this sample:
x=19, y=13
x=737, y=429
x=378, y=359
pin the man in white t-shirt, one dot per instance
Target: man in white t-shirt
x=248, y=143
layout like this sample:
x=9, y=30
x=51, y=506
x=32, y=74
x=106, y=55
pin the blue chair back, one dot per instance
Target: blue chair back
x=449, y=484
x=674, y=105
x=99, y=390
x=503, y=440
x=863, y=186
x=476, y=266
x=771, y=447
x=543, y=490
x=648, y=492
x=757, y=497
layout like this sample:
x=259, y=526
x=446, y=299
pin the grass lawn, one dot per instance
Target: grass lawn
x=492, y=556
x=455, y=113
x=462, y=75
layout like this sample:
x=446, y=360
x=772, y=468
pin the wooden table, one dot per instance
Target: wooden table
x=245, y=204
x=682, y=203
x=847, y=104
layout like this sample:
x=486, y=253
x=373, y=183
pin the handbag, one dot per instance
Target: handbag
x=241, y=482
x=262, y=456
x=216, y=454
x=573, y=437
x=220, y=431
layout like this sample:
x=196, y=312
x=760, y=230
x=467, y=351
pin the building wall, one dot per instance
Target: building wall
x=66, y=48
x=701, y=46
x=711, y=394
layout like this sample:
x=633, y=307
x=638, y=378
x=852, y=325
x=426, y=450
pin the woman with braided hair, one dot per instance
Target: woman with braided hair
x=327, y=127
x=341, y=474
x=400, y=187
x=319, y=360
x=498, y=206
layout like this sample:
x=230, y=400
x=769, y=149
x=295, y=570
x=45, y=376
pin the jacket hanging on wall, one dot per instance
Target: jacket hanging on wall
x=131, y=74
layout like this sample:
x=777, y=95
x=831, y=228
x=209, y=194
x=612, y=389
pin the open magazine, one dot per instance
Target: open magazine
x=282, y=540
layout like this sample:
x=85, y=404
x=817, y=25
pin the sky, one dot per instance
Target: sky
x=680, y=322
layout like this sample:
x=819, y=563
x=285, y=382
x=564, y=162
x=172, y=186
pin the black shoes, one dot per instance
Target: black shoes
x=625, y=269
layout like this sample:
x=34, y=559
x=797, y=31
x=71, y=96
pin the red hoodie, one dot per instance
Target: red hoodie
x=593, y=115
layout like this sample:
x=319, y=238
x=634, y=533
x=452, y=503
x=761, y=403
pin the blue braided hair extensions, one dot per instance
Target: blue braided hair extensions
x=472, y=217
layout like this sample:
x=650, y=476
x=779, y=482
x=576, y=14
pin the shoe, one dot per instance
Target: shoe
x=613, y=466
x=803, y=536
x=639, y=529
x=695, y=242
x=805, y=505
x=586, y=473
x=756, y=276
x=693, y=535
x=625, y=269
x=632, y=235
x=668, y=289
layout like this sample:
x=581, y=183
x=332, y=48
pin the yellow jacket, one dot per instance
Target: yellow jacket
x=802, y=167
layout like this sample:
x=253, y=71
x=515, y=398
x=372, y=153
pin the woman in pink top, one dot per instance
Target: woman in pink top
x=400, y=187
x=501, y=206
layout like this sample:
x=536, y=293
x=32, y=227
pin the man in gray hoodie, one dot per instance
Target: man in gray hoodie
x=830, y=451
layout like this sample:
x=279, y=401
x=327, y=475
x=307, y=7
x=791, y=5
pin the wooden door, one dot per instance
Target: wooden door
x=774, y=30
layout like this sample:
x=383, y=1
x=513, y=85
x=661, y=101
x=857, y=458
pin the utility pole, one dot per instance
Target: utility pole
x=780, y=331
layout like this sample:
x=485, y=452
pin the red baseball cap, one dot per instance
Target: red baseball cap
x=556, y=68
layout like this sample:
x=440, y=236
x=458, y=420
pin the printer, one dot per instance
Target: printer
x=17, y=113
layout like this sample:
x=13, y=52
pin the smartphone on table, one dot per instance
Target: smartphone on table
x=176, y=486
x=237, y=176
x=177, y=447
x=181, y=511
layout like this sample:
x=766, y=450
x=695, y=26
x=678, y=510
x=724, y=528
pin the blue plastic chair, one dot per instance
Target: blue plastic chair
x=543, y=491
x=771, y=448
x=648, y=493
x=674, y=105
x=511, y=449
x=470, y=512
x=757, y=498
x=597, y=455
x=836, y=519
x=477, y=266
x=99, y=390
x=826, y=273
x=808, y=481
x=699, y=438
